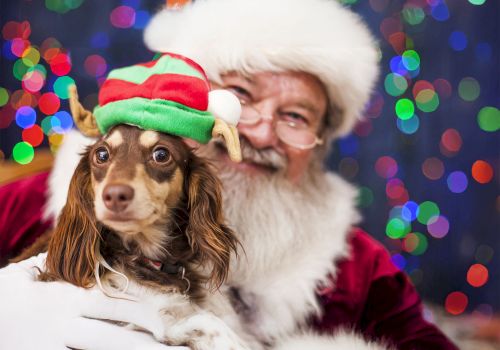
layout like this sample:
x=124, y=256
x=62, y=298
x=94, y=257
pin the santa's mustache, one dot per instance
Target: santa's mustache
x=267, y=157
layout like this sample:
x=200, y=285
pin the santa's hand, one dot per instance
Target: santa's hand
x=57, y=315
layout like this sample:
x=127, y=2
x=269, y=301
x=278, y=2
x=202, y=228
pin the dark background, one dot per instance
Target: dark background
x=454, y=39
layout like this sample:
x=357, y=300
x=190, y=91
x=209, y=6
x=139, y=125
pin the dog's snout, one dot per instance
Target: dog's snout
x=117, y=197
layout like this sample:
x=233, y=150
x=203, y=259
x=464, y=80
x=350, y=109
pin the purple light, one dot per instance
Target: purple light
x=457, y=182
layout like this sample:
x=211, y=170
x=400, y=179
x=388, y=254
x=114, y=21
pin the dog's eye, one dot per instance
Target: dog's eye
x=101, y=155
x=161, y=155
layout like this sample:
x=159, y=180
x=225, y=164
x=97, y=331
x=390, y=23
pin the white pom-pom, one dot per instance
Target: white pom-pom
x=224, y=105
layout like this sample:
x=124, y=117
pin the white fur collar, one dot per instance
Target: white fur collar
x=67, y=159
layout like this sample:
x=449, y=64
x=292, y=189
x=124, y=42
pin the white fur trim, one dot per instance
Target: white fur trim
x=340, y=341
x=67, y=159
x=320, y=37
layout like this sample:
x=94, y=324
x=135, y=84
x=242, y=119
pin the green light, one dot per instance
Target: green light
x=404, y=109
x=39, y=68
x=61, y=86
x=58, y=6
x=23, y=153
x=4, y=96
x=348, y=2
x=468, y=89
x=488, y=119
x=427, y=100
x=422, y=244
x=19, y=69
x=413, y=15
x=73, y=4
x=427, y=210
x=46, y=125
x=397, y=228
x=410, y=59
x=365, y=197
x=395, y=84
x=477, y=2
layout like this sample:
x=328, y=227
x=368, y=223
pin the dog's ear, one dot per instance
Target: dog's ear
x=210, y=239
x=73, y=248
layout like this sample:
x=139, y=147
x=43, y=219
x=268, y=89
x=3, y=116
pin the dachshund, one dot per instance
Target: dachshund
x=144, y=217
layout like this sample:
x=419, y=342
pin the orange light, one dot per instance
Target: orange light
x=482, y=172
x=477, y=275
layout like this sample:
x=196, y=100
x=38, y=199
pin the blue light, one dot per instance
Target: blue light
x=409, y=126
x=399, y=261
x=7, y=52
x=141, y=19
x=99, y=40
x=409, y=211
x=131, y=3
x=61, y=122
x=483, y=51
x=25, y=117
x=348, y=146
x=440, y=12
x=397, y=65
x=458, y=41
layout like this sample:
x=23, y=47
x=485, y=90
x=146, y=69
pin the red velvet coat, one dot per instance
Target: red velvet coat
x=370, y=294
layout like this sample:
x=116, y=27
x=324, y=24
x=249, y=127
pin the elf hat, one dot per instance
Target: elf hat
x=319, y=37
x=171, y=95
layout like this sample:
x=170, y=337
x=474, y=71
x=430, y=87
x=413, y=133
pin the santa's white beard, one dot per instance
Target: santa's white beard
x=276, y=221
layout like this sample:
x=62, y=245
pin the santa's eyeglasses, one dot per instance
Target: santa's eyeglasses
x=291, y=133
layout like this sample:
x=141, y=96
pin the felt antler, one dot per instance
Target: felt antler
x=226, y=108
x=84, y=119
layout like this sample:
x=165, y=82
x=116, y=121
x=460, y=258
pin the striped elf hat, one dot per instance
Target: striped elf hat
x=170, y=94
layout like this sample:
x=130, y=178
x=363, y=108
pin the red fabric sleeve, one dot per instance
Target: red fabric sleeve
x=372, y=295
x=21, y=222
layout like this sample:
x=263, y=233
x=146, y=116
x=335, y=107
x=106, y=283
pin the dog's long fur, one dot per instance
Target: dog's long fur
x=185, y=228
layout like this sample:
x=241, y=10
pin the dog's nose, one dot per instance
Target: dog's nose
x=117, y=197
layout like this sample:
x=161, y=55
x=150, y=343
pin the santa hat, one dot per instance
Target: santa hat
x=170, y=94
x=320, y=37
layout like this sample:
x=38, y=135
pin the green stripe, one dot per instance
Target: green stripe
x=165, y=65
x=157, y=114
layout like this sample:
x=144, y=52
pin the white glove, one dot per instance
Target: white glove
x=57, y=315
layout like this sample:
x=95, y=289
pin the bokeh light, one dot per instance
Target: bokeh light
x=488, y=119
x=457, y=41
x=457, y=181
x=477, y=275
x=433, y=168
x=25, y=117
x=469, y=89
x=49, y=103
x=95, y=65
x=404, y=109
x=61, y=122
x=451, y=142
x=122, y=17
x=4, y=96
x=386, y=167
x=397, y=228
x=415, y=243
x=482, y=171
x=61, y=86
x=395, y=84
x=33, y=135
x=438, y=226
x=426, y=211
x=23, y=153
x=456, y=303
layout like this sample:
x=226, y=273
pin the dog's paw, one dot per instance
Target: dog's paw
x=204, y=331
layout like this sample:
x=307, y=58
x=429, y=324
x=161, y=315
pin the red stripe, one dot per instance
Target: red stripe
x=180, y=57
x=189, y=91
